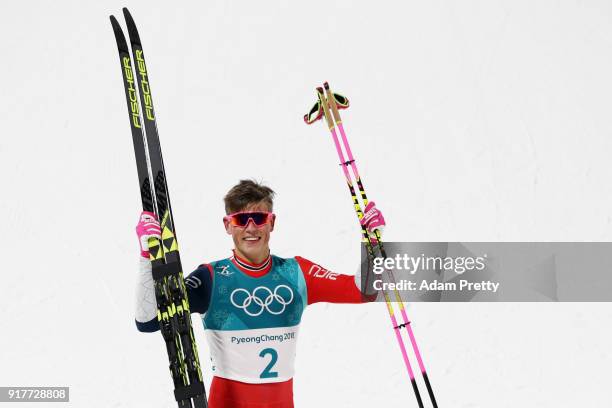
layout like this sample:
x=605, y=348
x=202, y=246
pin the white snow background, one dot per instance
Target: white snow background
x=471, y=121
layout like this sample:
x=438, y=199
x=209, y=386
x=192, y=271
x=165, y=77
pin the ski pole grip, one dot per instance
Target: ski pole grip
x=324, y=103
x=332, y=103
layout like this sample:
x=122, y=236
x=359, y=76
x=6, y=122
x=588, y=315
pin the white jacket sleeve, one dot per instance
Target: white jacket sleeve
x=146, y=306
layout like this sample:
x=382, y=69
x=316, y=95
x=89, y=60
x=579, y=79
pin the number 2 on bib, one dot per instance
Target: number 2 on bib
x=266, y=373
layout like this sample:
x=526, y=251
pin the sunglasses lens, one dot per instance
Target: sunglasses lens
x=259, y=218
x=242, y=219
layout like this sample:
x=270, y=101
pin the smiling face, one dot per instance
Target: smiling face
x=252, y=242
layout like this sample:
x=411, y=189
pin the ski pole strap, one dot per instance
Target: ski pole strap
x=160, y=271
x=189, y=391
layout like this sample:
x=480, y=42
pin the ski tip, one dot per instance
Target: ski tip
x=121, y=42
x=113, y=21
x=319, y=89
x=131, y=26
x=326, y=85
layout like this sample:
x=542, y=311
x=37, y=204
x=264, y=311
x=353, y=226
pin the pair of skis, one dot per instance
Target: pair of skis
x=328, y=106
x=172, y=304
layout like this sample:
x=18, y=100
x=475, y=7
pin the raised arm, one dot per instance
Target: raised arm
x=323, y=285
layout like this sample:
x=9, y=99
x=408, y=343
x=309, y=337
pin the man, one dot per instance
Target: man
x=251, y=302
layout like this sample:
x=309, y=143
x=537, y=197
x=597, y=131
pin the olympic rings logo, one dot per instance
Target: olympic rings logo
x=269, y=300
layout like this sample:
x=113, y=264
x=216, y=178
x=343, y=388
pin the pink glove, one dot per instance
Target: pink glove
x=372, y=218
x=147, y=227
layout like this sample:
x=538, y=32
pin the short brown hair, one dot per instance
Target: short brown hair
x=247, y=192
